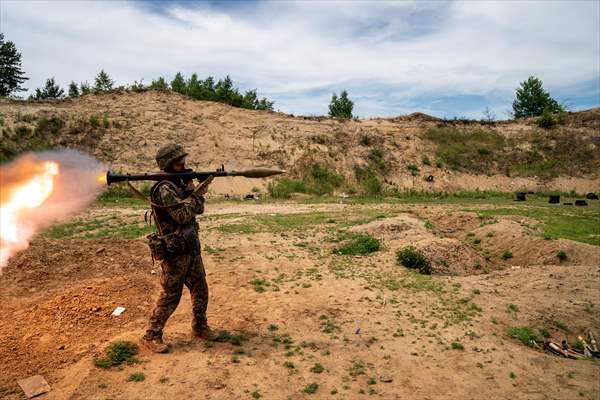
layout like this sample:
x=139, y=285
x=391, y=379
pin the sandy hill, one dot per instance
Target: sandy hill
x=124, y=130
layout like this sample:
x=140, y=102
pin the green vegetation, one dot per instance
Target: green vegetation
x=311, y=388
x=317, y=368
x=412, y=258
x=562, y=256
x=524, y=334
x=341, y=107
x=317, y=179
x=227, y=337
x=360, y=245
x=10, y=65
x=574, y=224
x=50, y=91
x=117, y=353
x=255, y=394
x=136, y=377
x=547, y=154
x=532, y=100
x=507, y=254
x=100, y=227
x=457, y=346
x=414, y=170
x=368, y=181
x=471, y=151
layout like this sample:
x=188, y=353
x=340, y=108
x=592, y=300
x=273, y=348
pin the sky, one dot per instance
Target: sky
x=447, y=59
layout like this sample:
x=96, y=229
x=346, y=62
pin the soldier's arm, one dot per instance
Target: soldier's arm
x=182, y=213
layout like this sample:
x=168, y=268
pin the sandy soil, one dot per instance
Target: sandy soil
x=378, y=330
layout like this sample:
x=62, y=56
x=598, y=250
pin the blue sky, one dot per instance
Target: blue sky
x=394, y=57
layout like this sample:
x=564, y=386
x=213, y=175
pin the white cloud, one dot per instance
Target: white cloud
x=290, y=50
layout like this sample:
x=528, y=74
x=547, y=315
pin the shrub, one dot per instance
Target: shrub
x=49, y=126
x=547, y=120
x=94, y=121
x=371, y=185
x=562, y=256
x=312, y=388
x=414, y=170
x=507, y=254
x=283, y=188
x=322, y=180
x=425, y=160
x=117, y=353
x=377, y=160
x=412, y=258
x=365, y=140
x=360, y=245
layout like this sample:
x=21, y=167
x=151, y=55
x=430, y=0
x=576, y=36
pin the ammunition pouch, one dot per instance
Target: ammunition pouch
x=161, y=247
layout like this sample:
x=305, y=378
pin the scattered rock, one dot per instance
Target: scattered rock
x=34, y=386
x=386, y=378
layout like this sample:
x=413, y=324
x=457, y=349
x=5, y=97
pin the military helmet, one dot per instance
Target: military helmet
x=168, y=154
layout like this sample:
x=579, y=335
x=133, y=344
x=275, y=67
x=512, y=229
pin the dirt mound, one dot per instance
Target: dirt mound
x=528, y=248
x=447, y=256
x=124, y=130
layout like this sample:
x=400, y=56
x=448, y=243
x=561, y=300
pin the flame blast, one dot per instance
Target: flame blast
x=38, y=189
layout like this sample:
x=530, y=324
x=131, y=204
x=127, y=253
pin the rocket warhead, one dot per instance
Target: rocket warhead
x=258, y=172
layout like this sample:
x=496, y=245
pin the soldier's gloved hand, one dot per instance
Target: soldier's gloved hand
x=191, y=186
x=201, y=189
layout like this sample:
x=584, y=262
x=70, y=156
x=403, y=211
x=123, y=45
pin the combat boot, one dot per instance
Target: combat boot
x=156, y=345
x=205, y=333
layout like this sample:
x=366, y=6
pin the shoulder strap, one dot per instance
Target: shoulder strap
x=149, y=200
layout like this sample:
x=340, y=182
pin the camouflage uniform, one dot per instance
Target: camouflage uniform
x=183, y=267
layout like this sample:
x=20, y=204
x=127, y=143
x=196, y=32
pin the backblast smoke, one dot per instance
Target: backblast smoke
x=41, y=188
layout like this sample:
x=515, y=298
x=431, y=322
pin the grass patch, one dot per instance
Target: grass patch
x=227, y=337
x=117, y=353
x=360, y=245
x=524, y=334
x=136, y=377
x=558, y=222
x=311, y=388
x=236, y=228
x=317, y=368
x=457, y=346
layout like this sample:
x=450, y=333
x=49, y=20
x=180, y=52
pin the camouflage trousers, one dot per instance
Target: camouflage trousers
x=184, y=269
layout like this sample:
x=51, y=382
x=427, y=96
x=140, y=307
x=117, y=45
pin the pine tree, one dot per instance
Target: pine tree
x=73, y=89
x=159, y=84
x=531, y=100
x=11, y=74
x=193, y=87
x=178, y=84
x=103, y=82
x=341, y=107
x=84, y=88
x=50, y=91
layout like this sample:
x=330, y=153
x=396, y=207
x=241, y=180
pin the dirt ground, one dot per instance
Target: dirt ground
x=378, y=329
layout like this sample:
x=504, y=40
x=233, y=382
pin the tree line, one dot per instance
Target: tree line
x=531, y=99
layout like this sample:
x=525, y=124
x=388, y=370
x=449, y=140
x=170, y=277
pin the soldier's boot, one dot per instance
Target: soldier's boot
x=205, y=333
x=155, y=344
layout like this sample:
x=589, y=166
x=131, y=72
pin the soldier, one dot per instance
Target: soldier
x=176, y=204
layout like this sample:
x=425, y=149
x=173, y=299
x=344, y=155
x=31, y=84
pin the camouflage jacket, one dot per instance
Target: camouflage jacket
x=181, y=217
